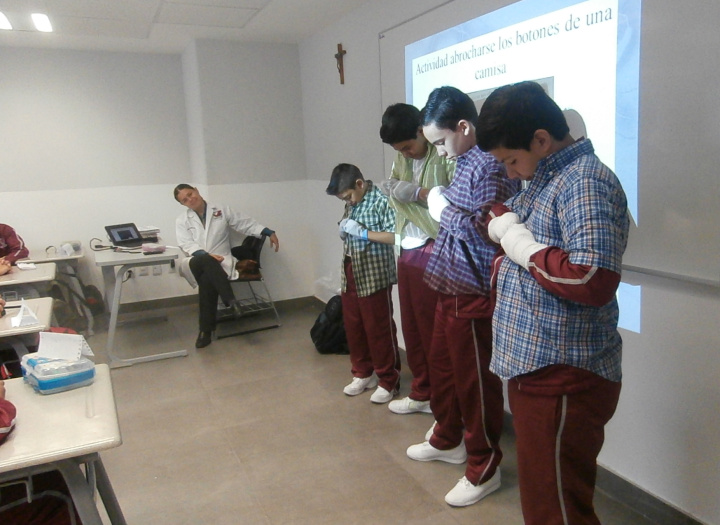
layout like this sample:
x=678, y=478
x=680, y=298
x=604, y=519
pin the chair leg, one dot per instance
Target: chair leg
x=271, y=302
x=257, y=303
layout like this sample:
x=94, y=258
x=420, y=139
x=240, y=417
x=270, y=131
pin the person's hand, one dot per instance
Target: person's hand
x=354, y=228
x=341, y=229
x=498, y=227
x=520, y=244
x=218, y=258
x=5, y=267
x=274, y=242
x=437, y=202
x=423, y=195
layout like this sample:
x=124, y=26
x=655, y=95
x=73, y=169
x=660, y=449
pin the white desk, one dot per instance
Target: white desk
x=62, y=432
x=41, y=307
x=40, y=256
x=41, y=273
x=114, y=265
x=67, y=265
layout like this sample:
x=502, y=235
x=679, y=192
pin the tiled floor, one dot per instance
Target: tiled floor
x=255, y=429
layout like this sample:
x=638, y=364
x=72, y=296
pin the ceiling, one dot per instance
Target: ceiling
x=167, y=26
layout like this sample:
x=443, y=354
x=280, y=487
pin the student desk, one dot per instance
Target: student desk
x=62, y=432
x=114, y=265
x=67, y=265
x=41, y=274
x=42, y=307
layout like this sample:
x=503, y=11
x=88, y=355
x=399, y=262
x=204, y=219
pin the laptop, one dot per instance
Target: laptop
x=125, y=235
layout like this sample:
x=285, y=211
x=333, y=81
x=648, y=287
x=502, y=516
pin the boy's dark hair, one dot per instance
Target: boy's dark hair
x=343, y=178
x=400, y=122
x=512, y=114
x=446, y=106
x=181, y=187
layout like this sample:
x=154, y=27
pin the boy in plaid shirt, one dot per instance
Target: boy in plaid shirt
x=467, y=399
x=555, y=335
x=368, y=274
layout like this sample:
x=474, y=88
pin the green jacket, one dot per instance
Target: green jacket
x=437, y=171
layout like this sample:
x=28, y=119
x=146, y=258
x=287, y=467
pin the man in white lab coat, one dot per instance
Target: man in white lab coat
x=203, y=233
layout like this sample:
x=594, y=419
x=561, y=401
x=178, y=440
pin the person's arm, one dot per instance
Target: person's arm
x=241, y=223
x=7, y=414
x=401, y=190
x=355, y=229
x=272, y=237
x=15, y=247
x=395, y=187
x=552, y=269
x=550, y=266
x=490, y=186
x=385, y=233
x=185, y=238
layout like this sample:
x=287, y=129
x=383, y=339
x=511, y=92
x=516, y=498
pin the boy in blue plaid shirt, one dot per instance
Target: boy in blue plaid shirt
x=555, y=332
x=466, y=399
x=368, y=274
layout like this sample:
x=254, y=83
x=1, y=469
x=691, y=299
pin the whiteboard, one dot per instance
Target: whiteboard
x=676, y=234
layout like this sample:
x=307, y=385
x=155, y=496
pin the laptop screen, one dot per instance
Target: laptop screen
x=123, y=233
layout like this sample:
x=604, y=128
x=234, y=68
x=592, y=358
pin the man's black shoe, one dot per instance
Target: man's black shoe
x=203, y=339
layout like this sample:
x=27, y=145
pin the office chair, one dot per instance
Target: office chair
x=258, y=299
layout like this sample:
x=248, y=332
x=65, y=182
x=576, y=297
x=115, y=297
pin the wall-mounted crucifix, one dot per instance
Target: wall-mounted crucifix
x=339, y=57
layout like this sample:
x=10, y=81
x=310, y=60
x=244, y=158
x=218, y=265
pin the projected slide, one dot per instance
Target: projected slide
x=585, y=54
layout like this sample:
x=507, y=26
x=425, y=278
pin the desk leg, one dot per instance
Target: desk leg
x=68, y=270
x=116, y=362
x=107, y=494
x=80, y=491
x=114, y=306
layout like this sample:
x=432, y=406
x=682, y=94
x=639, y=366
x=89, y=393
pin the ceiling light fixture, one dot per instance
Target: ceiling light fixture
x=42, y=22
x=4, y=22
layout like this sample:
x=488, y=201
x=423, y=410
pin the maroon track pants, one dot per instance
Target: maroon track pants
x=371, y=333
x=417, y=316
x=559, y=415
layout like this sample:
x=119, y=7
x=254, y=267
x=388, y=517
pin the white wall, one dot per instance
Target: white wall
x=342, y=122
x=664, y=436
x=96, y=138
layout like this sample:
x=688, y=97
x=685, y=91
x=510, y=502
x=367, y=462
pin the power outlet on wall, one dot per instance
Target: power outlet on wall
x=143, y=271
x=157, y=270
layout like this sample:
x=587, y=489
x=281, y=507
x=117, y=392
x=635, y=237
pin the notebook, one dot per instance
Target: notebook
x=124, y=235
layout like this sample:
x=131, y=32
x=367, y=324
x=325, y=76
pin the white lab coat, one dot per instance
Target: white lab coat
x=214, y=237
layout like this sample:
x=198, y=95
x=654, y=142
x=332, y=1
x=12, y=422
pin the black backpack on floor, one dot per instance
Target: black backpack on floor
x=328, y=332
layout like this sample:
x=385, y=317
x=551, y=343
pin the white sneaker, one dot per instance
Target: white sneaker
x=426, y=452
x=359, y=385
x=465, y=493
x=429, y=433
x=409, y=406
x=381, y=395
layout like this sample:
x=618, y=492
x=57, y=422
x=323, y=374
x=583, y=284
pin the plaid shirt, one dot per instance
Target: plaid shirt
x=373, y=264
x=461, y=259
x=576, y=203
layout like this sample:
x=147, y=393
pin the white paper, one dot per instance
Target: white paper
x=63, y=346
x=26, y=266
x=24, y=317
